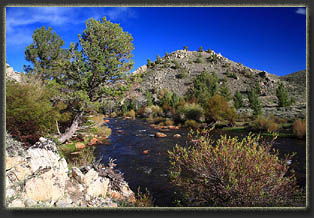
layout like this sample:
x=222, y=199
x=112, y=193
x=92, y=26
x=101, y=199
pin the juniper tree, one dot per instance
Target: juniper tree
x=238, y=100
x=225, y=91
x=282, y=95
x=255, y=104
x=45, y=54
x=92, y=72
x=204, y=87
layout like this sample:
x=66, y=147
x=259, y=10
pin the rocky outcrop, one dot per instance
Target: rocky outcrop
x=11, y=74
x=39, y=177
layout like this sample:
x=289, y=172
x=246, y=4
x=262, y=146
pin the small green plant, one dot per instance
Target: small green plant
x=208, y=51
x=229, y=172
x=149, y=63
x=143, y=199
x=231, y=75
x=200, y=49
x=198, y=60
x=176, y=64
x=183, y=74
x=158, y=60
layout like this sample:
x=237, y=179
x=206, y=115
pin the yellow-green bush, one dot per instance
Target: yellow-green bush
x=30, y=113
x=190, y=111
x=232, y=173
x=299, y=128
x=191, y=123
x=217, y=108
x=267, y=124
x=131, y=114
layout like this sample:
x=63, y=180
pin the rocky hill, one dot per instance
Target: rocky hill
x=177, y=71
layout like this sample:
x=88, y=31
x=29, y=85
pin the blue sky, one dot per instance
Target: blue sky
x=264, y=38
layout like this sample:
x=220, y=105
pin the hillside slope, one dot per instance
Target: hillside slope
x=177, y=70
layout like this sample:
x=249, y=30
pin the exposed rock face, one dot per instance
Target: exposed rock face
x=12, y=75
x=40, y=177
x=237, y=76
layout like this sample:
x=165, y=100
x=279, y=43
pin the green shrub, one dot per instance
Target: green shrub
x=158, y=60
x=30, y=113
x=208, y=50
x=200, y=49
x=198, y=60
x=190, y=111
x=191, y=124
x=176, y=64
x=299, y=128
x=238, y=100
x=183, y=74
x=153, y=110
x=230, y=172
x=149, y=63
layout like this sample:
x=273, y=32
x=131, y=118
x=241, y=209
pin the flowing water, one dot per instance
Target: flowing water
x=130, y=138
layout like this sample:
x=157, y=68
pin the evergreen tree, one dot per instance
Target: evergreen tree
x=45, y=54
x=282, y=95
x=225, y=91
x=149, y=98
x=204, y=87
x=255, y=104
x=238, y=100
x=88, y=74
x=149, y=63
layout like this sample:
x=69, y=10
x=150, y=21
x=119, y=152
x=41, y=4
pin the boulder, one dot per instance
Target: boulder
x=145, y=151
x=160, y=135
x=90, y=176
x=98, y=187
x=177, y=136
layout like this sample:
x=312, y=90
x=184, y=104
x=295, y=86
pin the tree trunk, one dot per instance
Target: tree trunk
x=70, y=132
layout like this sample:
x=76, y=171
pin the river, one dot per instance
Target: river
x=130, y=138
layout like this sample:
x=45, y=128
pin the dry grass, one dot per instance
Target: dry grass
x=268, y=124
x=299, y=128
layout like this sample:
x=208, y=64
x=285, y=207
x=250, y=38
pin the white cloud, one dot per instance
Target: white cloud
x=19, y=20
x=26, y=16
x=301, y=11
